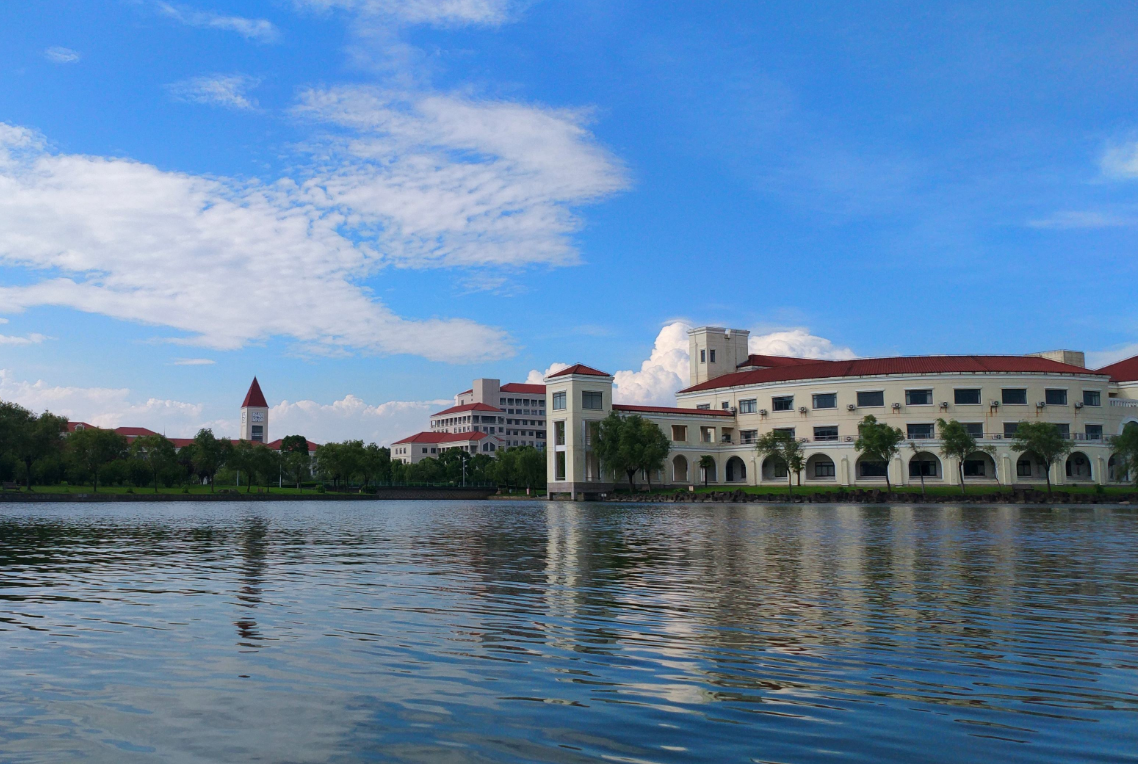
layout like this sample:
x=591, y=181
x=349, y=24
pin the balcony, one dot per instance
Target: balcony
x=1125, y=403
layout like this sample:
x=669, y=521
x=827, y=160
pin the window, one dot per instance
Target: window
x=783, y=403
x=779, y=467
x=788, y=430
x=1092, y=398
x=975, y=429
x=1010, y=429
x=920, y=431
x=591, y=400
x=1023, y=468
x=559, y=401
x=679, y=433
x=872, y=469
x=826, y=400
x=1014, y=396
x=918, y=397
x=975, y=468
x=707, y=434
x=824, y=468
x=559, y=465
x=825, y=433
x=703, y=356
x=712, y=356
x=922, y=468
x=871, y=398
x=748, y=436
x=749, y=406
x=1064, y=430
x=704, y=407
x=1094, y=432
x=725, y=405
x=968, y=397
x=559, y=433
x=1055, y=397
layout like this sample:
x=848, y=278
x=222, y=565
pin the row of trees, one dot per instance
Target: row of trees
x=351, y=463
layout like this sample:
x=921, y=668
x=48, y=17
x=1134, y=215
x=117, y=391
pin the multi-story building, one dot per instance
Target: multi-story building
x=736, y=397
x=491, y=416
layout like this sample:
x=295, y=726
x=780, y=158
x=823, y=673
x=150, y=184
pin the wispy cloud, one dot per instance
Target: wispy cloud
x=1079, y=219
x=31, y=339
x=259, y=30
x=1120, y=161
x=352, y=418
x=226, y=90
x=60, y=55
x=432, y=12
x=194, y=362
x=1096, y=359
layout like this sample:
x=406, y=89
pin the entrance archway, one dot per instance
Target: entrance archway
x=736, y=470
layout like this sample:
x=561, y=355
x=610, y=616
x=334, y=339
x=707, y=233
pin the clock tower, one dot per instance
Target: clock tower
x=255, y=415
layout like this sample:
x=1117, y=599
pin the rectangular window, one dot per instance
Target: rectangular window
x=975, y=468
x=748, y=406
x=788, y=430
x=918, y=397
x=559, y=468
x=1064, y=430
x=922, y=468
x=1014, y=396
x=1092, y=398
x=825, y=433
x=780, y=469
x=825, y=400
x=703, y=356
x=1010, y=429
x=559, y=433
x=679, y=433
x=713, y=356
x=824, y=469
x=591, y=400
x=920, y=431
x=870, y=398
x=783, y=403
x=1055, y=397
x=1094, y=432
x=968, y=397
x=707, y=434
x=704, y=407
x=559, y=401
x=748, y=436
x=872, y=469
x=975, y=429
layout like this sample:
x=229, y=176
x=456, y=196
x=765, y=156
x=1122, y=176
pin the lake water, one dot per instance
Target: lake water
x=516, y=632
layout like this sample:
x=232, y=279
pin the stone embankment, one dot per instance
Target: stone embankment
x=381, y=494
x=877, y=496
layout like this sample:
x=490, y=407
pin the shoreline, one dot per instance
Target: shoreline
x=381, y=494
x=876, y=496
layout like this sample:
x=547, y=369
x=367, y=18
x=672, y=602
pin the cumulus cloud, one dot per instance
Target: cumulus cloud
x=1120, y=161
x=259, y=30
x=456, y=182
x=60, y=55
x=31, y=339
x=1096, y=359
x=432, y=12
x=130, y=241
x=536, y=377
x=351, y=418
x=799, y=343
x=227, y=90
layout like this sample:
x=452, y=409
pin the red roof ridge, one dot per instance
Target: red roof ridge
x=522, y=387
x=442, y=437
x=255, y=397
x=670, y=410
x=579, y=368
x=467, y=407
x=1125, y=370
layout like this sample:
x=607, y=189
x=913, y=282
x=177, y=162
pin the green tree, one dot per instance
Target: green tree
x=957, y=443
x=1125, y=447
x=297, y=465
x=878, y=442
x=241, y=460
x=156, y=453
x=294, y=444
x=265, y=464
x=209, y=454
x=707, y=464
x=1045, y=441
x=785, y=449
x=30, y=438
x=93, y=449
x=375, y=464
x=531, y=468
x=629, y=444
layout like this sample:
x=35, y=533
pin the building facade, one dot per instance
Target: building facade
x=735, y=398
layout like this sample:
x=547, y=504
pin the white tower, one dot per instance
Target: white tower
x=255, y=415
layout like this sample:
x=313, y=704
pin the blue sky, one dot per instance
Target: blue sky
x=369, y=202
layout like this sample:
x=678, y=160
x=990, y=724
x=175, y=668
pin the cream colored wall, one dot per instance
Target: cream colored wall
x=247, y=423
x=576, y=418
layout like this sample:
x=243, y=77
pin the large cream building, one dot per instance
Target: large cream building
x=735, y=397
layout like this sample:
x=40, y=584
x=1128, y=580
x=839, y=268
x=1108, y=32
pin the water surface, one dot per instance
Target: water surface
x=511, y=632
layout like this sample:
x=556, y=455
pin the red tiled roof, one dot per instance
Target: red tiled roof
x=276, y=444
x=669, y=410
x=578, y=368
x=775, y=361
x=254, y=397
x=866, y=367
x=467, y=392
x=180, y=442
x=134, y=432
x=468, y=407
x=443, y=437
x=1123, y=371
x=73, y=426
x=521, y=387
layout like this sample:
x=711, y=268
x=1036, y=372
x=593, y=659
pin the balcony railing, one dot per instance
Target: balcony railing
x=1124, y=403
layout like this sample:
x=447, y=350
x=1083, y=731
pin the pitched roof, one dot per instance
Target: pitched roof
x=774, y=361
x=254, y=397
x=868, y=367
x=1123, y=371
x=276, y=444
x=73, y=426
x=443, y=437
x=468, y=407
x=134, y=432
x=670, y=410
x=522, y=387
x=579, y=368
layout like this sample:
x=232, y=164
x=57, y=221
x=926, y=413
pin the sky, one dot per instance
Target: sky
x=369, y=203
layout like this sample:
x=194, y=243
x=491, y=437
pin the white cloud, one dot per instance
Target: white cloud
x=31, y=339
x=798, y=343
x=456, y=182
x=536, y=377
x=127, y=240
x=1096, y=359
x=350, y=418
x=60, y=55
x=259, y=30
x=1074, y=219
x=1120, y=161
x=433, y=12
x=107, y=407
x=194, y=362
x=227, y=90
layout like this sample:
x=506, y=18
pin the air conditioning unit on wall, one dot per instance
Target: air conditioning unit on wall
x=851, y=407
x=801, y=409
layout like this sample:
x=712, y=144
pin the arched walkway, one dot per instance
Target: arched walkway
x=774, y=469
x=866, y=469
x=1030, y=467
x=979, y=466
x=736, y=470
x=1079, y=467
x=926, y=464
x=708, y=474
x=821, y=467
x=680, y=469
x=1116, y=470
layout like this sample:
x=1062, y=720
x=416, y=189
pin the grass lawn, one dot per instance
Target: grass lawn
x=197, y=489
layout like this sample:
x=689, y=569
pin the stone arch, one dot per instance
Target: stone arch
x=821, y=467
x=680, y=469
x=1079, y=467
x=1030, y=467
x=1117, y=470
x=979, y=465
x=868, y=469
x=1124, y=422
x=736, y=470
x=926, y=462
x=709, y=474
x=774, y=468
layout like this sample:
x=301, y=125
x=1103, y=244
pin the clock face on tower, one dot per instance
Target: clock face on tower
x=258, y=417
x=243, y=415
